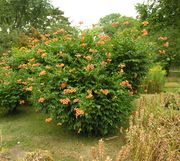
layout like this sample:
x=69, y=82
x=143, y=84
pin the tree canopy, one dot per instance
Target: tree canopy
x=163, y=17
x=22, y=14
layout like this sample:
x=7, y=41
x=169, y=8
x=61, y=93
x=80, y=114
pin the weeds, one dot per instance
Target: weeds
x=153, y=133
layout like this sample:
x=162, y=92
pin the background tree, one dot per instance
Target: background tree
x=163, y=16
x=18, y=16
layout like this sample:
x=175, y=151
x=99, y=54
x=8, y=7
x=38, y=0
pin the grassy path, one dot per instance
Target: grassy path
x=27, y=131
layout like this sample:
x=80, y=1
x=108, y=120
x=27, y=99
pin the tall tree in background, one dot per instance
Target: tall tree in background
x=21, y=15
x=164, y=18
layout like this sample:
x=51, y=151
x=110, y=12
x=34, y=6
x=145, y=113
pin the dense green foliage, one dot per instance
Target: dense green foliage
x=113, y=23
x=20, y=16
x=85, y=80
x=133, y=51
x=12, y=93
x=163, y=17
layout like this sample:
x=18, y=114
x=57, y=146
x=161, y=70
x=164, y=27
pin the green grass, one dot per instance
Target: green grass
x=27, y=131
x=173, y=81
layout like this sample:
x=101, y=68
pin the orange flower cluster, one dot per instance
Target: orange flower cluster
x=29, y=89
x=90, y=67
x=78, y=112
x=67, y=91
x=34, y=41
x=162, y=52
x=22, y=66
x=59, y=124
x=103, y=37
x=108, y=55
x=75, y=100
x=48, y=120
x=144, y=32
x=83, y=45
x=60, y=65
x=40, y=51
x=145, y=23
x=31, y=60
x=42, y=84
x=109, y=60
x=21, y=102
x=61, y=54
x=162, y=38
x=41, y=100
x=65, y=101
x=54, y=39
x=7, y=67
x=7, y=83
x=47, y=35
x=82, y=39
x=19, y=81
x=63, y=85
x=43, y=72
x=103, y=63
x=100, y=43
x=7, y=74
x=43, y=55
x=134, y=30
x=122, y=66
x=36, y=65
x=166, y=44
x=61, y=30
x=104, y=91
x=126, y=83
x=89, y=96
x=46, y=42
x=68, y=37
x=2, y=62
x=78, y=55
x=88, y=57
x=126, y=23
x=93, y=50
x=115, y=24
x=47, y=67
x=43, y=37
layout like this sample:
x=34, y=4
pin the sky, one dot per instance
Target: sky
x=90, y=11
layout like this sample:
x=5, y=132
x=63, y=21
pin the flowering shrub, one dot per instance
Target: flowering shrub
x=77, y=89
x=84, y=80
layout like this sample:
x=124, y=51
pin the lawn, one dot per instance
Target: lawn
x=27, y=131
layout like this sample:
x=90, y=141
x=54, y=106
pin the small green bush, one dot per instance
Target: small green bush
x=154, y=80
